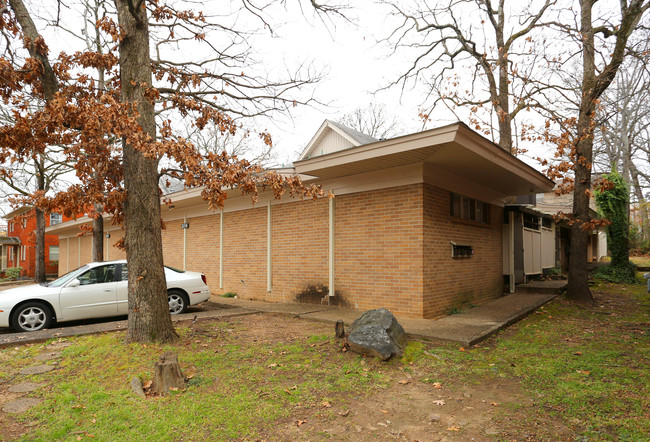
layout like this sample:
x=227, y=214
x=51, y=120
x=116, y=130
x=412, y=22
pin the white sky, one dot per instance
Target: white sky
x=355, y=66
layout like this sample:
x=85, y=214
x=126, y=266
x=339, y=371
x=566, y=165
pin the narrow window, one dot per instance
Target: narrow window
x=54, y=255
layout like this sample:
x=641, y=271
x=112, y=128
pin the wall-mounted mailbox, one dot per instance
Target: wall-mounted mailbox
x=459, y=251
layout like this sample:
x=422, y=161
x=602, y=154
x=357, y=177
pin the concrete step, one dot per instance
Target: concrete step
x=552, y=287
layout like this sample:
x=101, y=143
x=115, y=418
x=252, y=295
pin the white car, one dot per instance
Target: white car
x=96, y=290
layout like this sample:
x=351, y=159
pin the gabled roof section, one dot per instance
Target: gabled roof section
x=333, y=137
x=17, y=212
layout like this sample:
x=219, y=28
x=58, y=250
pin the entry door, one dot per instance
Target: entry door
x=95, y=297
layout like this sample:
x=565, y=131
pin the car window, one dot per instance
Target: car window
x=125, y=273
x=98, y=275
x=67, y=277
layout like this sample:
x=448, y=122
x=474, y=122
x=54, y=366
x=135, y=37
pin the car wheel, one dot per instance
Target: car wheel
x=178, y=302
x=31, y=316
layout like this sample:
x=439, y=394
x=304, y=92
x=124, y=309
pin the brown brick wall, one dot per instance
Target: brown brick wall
x=457, y=282
x=244, y=252
x=202, y=248
x=299, y=236
x=172, y=240
x=379, y=251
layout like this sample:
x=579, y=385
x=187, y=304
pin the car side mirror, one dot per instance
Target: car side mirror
x=74, y=283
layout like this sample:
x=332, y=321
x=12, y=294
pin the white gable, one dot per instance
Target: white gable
x=333, y=137
x=328, y=143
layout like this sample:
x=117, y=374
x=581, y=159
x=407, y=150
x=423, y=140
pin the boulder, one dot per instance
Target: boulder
x=377, y=333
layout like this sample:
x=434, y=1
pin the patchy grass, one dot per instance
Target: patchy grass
x=590, y=367
x=564, y=372
x=641, y=260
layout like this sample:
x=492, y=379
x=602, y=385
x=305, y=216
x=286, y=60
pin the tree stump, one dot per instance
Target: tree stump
x=339, y=329
x=167, y=374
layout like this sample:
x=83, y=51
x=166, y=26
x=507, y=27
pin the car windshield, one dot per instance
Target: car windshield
x=68, y=276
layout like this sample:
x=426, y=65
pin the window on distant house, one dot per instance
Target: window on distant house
x=55, y=218
x=469, y=209
x=54, y=255
x=11, y=253
x=23, y=222
x=547, y=223
x=11, y=226
x=23, y=252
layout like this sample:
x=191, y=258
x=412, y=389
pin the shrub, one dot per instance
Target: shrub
x=617, y=274
x=229, y=295
x=12, y=273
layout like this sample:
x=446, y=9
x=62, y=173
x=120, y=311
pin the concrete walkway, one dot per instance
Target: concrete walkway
x=466, y=328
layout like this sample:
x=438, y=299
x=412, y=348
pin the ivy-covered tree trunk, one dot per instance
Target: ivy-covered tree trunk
x=613, y=201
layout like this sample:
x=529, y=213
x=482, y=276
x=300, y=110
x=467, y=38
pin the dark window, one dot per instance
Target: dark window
x=469, y=209
x=531, y=221
x=98, y=275
x=547, y=223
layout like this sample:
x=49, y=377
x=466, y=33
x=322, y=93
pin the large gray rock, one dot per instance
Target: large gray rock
x=377, y=333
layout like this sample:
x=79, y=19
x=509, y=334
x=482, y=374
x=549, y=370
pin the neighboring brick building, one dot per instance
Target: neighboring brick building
x=19, y=246
x=416, y=225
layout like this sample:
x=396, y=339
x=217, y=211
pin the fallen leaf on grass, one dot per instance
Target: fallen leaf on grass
x=461, y=349
x=494, y=404
x=147, y=384
x=439, y=402
x=407, y=381
x=578, y=353
x=299, y=423
x=344, y=413
x=271, y=365
x=437, y=385
x=583, y=371
x=453, y=429
x=326, y=404
x=384, y=411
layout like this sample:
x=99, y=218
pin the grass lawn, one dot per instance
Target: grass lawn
x=564, y=372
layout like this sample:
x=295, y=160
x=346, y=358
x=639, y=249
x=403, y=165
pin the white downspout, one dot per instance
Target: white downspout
x=332, y=207
x=185, y=243
x=79, y=251
x=221, y=249
x=67, y=255
x=269, y=268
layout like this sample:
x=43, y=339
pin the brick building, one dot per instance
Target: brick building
x=416, y=225
x=18, y=247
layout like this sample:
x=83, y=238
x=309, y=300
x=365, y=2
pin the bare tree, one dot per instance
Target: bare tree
x=125, y=178
x=477, y=54
x=621, y=141
x=373, y=120
x=598, y=73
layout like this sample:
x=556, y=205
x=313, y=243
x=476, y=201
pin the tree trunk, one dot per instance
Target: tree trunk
x=502, y=105
x=578, y=285
x=39, y=274
x=167, y=374
x=149, y=317
x=98, y=236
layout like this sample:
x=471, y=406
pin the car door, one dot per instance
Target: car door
x=92, y=294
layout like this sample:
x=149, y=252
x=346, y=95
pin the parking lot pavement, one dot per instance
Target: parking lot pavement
x=205, y=310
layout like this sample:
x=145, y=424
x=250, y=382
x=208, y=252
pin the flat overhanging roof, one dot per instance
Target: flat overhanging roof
x=455, y=148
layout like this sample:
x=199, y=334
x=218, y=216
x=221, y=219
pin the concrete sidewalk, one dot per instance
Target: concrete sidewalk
x=466, y=328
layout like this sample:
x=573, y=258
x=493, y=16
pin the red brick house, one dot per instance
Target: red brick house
x=416, y=225
x=19, y=246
